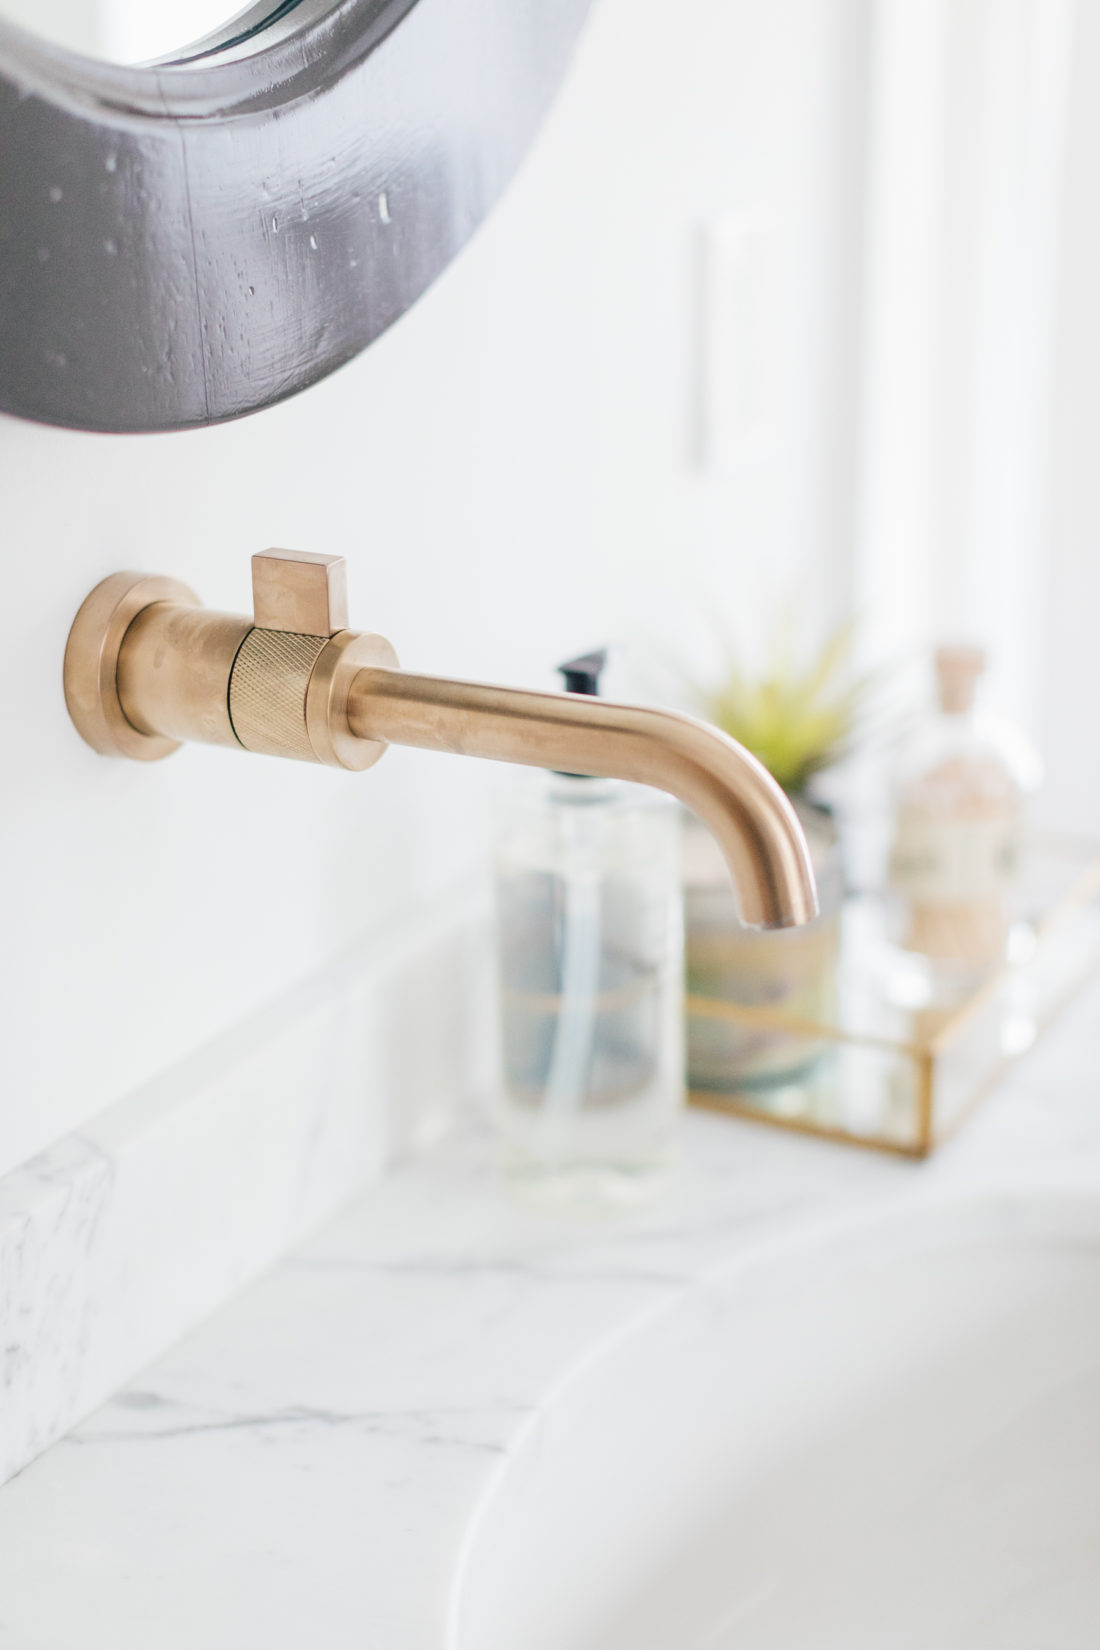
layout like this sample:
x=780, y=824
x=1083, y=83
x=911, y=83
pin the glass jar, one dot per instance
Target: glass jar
x=590, y=963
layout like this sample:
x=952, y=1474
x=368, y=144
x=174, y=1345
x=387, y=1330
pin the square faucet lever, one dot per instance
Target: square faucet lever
x=296, y=591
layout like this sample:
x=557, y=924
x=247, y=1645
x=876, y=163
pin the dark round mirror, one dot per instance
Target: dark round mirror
x=201, y=217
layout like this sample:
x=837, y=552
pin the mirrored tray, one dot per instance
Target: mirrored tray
x=872, y=1071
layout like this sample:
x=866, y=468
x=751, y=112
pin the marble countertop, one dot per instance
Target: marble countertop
x=307, y=1468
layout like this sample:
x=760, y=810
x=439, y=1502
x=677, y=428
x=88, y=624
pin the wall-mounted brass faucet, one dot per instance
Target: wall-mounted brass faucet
x=146, y=666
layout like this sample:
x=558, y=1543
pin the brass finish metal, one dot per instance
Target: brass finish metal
x=267, y=692
x=173, y=669
x=146, y=666
x=294, y=590
x=731, y=792
x=91, y=665
x=327, y=724
x=729, y=1106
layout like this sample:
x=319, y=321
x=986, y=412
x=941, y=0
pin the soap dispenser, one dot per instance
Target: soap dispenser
x=590, y=961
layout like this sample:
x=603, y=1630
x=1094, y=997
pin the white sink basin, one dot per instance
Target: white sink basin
x=883, y=1439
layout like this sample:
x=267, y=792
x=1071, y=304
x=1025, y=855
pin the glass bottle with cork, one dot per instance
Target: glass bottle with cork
x=959, y=793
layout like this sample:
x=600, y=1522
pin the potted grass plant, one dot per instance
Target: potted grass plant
x=800, y=712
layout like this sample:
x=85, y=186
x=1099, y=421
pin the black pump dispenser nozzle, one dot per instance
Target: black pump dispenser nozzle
x=582, y=675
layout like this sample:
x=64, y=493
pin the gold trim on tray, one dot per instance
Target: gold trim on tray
x=902, y=1081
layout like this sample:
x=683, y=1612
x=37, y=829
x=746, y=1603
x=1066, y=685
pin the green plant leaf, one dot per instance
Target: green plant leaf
x=795, y=719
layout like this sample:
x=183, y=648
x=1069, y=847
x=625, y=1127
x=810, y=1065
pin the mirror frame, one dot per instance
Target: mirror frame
x=187, y=242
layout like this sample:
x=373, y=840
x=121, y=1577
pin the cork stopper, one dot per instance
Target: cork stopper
x=957, y=672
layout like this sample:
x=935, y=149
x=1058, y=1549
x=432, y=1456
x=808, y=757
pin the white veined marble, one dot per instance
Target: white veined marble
x=119, y=1239
x=312, y=1466
x=888, y=1435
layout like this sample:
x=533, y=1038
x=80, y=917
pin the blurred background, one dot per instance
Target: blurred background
x=790, y=305
x=831, y=263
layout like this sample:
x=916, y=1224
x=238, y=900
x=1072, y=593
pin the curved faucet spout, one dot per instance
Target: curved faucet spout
x=146, y=666
x=739, y=801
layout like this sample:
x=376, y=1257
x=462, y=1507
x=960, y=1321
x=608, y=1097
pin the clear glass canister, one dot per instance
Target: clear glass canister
x=590, y=955
x=960, y=786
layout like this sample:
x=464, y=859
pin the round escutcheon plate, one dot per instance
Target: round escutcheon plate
x=91, y=662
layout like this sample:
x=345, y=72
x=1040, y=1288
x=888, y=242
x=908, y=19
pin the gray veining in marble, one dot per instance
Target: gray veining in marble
x=307, y=1467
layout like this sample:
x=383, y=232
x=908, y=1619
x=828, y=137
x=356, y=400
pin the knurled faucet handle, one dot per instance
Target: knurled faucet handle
x=295, y=591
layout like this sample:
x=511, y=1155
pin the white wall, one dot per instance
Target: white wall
x=510, y=474
x=127, y=31
x=968, y=152
x=71, y=23
x=1072, y=554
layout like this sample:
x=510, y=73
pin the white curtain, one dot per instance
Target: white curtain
x=967, y=152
